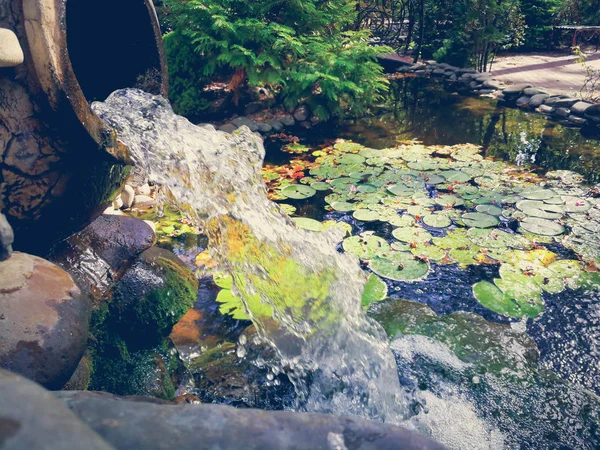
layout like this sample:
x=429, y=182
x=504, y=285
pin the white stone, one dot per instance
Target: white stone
x=127, y=195
x=144, y=189
x=11, y=53
x=117, y=203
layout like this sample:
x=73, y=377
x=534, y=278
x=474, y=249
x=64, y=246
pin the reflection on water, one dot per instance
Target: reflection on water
x=426, y=111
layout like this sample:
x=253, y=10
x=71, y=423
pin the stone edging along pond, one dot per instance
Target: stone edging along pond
x=560, y=107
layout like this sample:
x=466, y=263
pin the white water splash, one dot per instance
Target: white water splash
x=319, y=328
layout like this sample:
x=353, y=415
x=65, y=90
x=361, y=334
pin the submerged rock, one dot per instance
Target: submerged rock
x=153, y=294
x=134, y=423
x=32, y=418
x=43, y=320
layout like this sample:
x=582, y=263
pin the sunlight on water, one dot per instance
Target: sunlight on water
x=292, y=276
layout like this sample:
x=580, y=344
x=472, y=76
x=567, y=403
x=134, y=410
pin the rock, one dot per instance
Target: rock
x=127, y=195
x=156, y=291
x=593, y=113
x=264, y=127
x=6, y=238
x=301, y=113
x=500, y=97
x=576, y=120
x=420, y=73
x=44, y=321
x=545, y=109
x=133, y=424
x=287, y=120
x=491, y=84
x=245, y=121
x=453, y=77
x=551, y=100
x=561, y=112
x=253, y=108
x=144, y=202
x=537, y=100
x=276, y=124
x=144, y=189
x=33, y=418
x=515, y=90
x=565, y=102
x=117, y=203
x=97, y=255
x=530, y=92
x=523, y=102
x=11, y=53
x=418, y=66
x=80, y=380
x=580, y=108
x=228, y=127
x=473, y=84
x=486, y=91
x=438, y=72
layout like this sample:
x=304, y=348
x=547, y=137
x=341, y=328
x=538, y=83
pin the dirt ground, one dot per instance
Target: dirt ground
x=557, y=73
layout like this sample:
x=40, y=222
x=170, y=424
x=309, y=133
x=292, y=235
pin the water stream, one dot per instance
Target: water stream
x=303, y=296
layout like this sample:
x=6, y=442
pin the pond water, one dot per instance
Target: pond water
x=454, y=336
x=477, y=227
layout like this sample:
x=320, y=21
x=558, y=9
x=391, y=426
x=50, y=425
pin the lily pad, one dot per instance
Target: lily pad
x=493, y=298
x=375, y=290
x=542, y=227
x=343, y=206
x=449, y=201
x=320, y=186
x=308, y=224
x=366, y=247
x=480, y=220
x=399, y=266
x=540, y=209
x=412, y=235
x=298, y=191
x=455, y=176
x=489, y=209
x=538, y=194
x=366, y=215
x=437, y=220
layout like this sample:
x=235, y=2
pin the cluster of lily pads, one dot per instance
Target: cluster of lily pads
x=450, y=205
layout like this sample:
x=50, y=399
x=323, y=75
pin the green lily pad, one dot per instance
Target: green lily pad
x=430, y=252
x=576, y=205
x=538, y=194
x=289, y=209
x=298, y=191
x=437, y=220
x=455, y=176
x=493, y=298
x=343, y=206
x=412, y=235
x=375, y=290
x=399, y=266
x=367, y=188
x=534, y=208
x=479, y=220
x=308, y=224
x=542, y=227
x=492, y=210
x=449, y=201
x=366, y=215
x=401, y=190
x=366, y=247
x=320, y=186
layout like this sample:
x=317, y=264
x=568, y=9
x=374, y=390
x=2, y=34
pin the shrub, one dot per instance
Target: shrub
x=299, y=48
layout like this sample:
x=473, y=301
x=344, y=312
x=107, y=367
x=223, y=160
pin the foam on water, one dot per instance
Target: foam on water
x=314, y=292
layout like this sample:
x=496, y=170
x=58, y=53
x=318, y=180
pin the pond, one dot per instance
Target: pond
x=480, y=226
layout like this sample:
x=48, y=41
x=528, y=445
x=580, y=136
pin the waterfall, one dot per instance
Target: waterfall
x=301, y=293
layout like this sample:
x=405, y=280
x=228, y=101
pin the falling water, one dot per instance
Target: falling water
x=311, y=292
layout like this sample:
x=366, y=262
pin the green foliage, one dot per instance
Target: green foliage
x=301, y=49
x=540, y=16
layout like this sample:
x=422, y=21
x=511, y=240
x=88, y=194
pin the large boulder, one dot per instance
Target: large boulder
x=537, y=100
x=6, y=238
x=580, y=108
x=11, y=54
x=98, y=255
x=44, y=320
x=32, y=418
x=130, y=424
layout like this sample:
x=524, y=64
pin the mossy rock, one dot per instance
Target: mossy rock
x=153, y=295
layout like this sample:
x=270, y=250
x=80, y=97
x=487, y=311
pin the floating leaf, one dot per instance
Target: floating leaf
x=540, y=209
x=489, y=209
x=320, y=186
x=538, y=194
x=375, y=290
x=366, y=247
x=412, y=234
x=449, y=201
x=298, y=191
x=399, y=266
x=366, y=215
x=493, y=298
x=289, y=209
x=542, y=227
x=308, y=224
x=437, y=220
x=343, y=206
x=479, y=220
x=455, y=176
